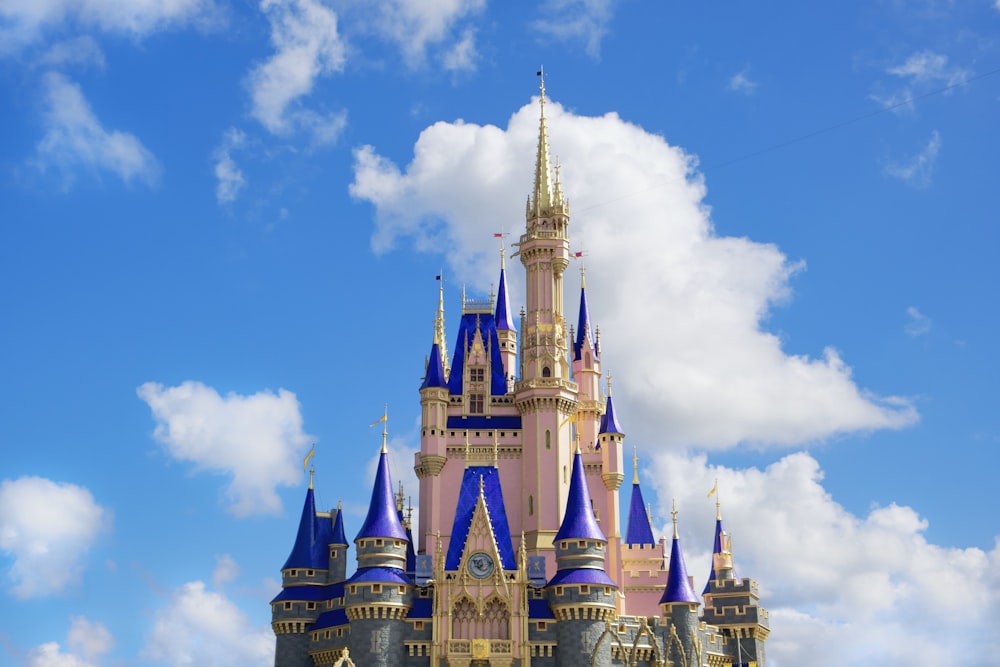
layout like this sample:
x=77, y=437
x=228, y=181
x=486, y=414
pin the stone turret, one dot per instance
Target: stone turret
x=581, y=595
x=378, y=597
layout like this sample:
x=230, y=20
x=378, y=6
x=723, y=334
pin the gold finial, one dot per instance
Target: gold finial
x=340, y=505
x=609, y=382
x=542, y=191
x=635, y=465
x=467, y=452
x=496, y=450
x=503, y=254
x=312, y=470
x=583, y=271
x=482, y=485
x=673, y=513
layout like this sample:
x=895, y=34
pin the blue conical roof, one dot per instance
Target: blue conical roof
x=503, y=319
x=579, y=522
x=639, y=531
x=339, y=537
x=678, y=584
x=306, y=549
x=434, y=377
x=609, y=422
x=583, y=325
x=382, y=520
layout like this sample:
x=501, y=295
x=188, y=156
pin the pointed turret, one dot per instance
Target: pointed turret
x=639, y=530
x=434, y=376
x=339, y=536
x=542, y=192
x=503, y=317
x=678, y=588
x=440, y=338
x=307, y=553
x=722, y=557
x=382, y=519
x=579, y=522
x=584, y=340
x=609, y=422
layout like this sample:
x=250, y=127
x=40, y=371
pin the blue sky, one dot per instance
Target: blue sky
x=221, y=226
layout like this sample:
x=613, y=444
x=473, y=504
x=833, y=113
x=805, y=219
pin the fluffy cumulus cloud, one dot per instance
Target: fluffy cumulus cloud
x=576, y=21
x=24, y=21
x=841, y=588
x=74, y=138
x=202, y=627
x=257, y=440
x=87, y=640
x=693, y=362
x=46, y=529
x=307, y=46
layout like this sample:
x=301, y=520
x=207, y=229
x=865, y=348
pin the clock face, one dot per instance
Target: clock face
x=480, y=565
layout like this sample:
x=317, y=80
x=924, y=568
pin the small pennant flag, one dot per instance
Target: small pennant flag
x=437, y=277
x=578, y=254
x=305, y=464
x=498, y=236
x=714, y=489
x=377, y=421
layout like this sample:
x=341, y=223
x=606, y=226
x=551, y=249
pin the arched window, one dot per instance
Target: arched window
x=548, y=439
x=531, y=506
x=546, y=372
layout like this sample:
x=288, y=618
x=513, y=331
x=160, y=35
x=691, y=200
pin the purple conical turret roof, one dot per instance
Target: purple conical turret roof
x=434, y=376
x=503, y=319
x=382, y=519
x=304, y=552
x=582, y=327
x=639, y=531
x=609, y=422
x=579, y=522
x=339, y=537
x=678, y=584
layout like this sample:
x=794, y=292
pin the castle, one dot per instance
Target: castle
x=520, y=557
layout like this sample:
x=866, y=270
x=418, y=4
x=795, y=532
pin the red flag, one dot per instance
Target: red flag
x=578, y=254
x=498, y=236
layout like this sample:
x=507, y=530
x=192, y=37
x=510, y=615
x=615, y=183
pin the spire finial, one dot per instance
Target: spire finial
x=467, y=453
x=718, y=502
x=340, y=504
x=673, y=513
x=609, y=382
x=385, y=428
x=439, y=334
x=496, y=450
x=312, y=469
x=583, y=271
x=635, y=464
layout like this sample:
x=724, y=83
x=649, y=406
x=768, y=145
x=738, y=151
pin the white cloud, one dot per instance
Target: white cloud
x=47, y=527
x=922, y=72
x=416, y=25
x=230, y=177
x=50, y=655
x=840, y=588
x=741, y=83
x=693, y=364
x=24, y=21
x=201, y=627
x=91, y=640
x=256, y=439
x=917, y=171
x=576, y=21
x=930, y=67
x=918, y=323
x=307, y=46
x=81, y=51
x=462, y=56
x=226, y=570
x=74, y=138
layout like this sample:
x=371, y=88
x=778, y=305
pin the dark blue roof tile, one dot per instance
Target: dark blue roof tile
x=582, y=575
x=639, y=531
x=503, y=319
x=678, y=584
x=434, y=376
x=468, y=496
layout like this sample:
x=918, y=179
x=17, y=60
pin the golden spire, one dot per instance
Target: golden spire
x=400, y=497
x=543, y=191
x=440, y=337
x=496, y=450
x=583, y=272
x=635, y=464
x=503, y=256
x=673, y=513
x=385, y=428
x=609, y=382
x=311, y=471
x=467, y=453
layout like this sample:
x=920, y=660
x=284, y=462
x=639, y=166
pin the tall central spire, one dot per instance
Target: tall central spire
x=542, y=195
